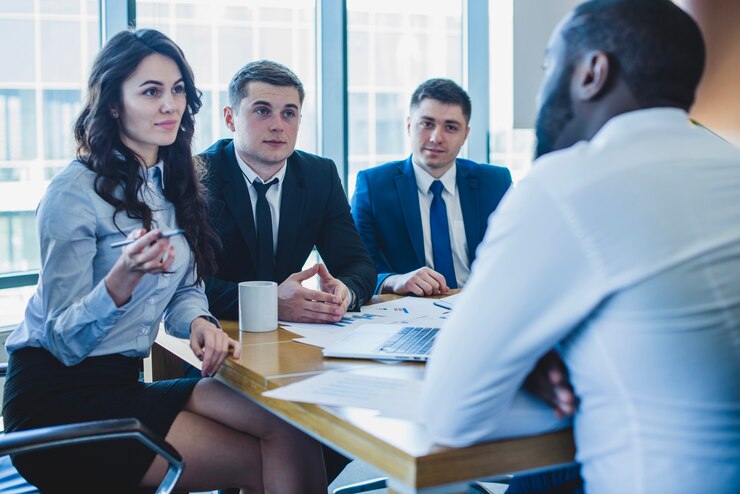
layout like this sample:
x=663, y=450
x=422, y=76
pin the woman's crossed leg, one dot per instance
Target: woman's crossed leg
x=228, y=440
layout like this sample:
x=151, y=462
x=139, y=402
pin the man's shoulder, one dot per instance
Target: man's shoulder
x=216, y=151
x=303, y=158
x=483, y=169
x=384, y=171
x=214, y=164
x=311, y=170
x=488, y=176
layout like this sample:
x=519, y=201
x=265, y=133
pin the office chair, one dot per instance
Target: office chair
x=87, y=432
x=380, y=483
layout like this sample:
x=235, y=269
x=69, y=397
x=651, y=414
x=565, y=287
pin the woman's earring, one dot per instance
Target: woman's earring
x=182, y=128
x=114, y=114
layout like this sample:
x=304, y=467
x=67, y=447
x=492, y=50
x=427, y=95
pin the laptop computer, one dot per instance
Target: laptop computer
x=385, y=341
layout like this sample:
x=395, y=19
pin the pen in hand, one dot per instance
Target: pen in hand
x=167, y=234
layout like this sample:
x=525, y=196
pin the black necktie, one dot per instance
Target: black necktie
x=265, y=252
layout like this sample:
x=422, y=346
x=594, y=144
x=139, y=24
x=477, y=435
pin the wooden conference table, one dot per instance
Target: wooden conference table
x=401, y=449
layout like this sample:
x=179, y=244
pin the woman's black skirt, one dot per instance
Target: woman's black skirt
x=40, y=391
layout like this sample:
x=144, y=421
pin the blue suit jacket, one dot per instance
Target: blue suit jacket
x=385, y=208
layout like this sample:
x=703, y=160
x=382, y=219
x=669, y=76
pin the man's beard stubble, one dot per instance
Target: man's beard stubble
x=554, y=114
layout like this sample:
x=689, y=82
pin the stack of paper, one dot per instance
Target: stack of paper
x=401, y=398
x=397, y=398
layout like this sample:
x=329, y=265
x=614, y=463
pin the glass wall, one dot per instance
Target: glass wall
x=392, y=47
x=46, y=47
x=220, y=36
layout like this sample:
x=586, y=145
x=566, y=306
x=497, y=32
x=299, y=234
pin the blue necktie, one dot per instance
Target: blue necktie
x=265, y=252
x=441, y=250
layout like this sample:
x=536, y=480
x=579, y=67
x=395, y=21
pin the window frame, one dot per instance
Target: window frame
x=332, y=92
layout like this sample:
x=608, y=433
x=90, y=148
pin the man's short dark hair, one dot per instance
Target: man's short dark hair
x=654, y=45
x=265, y=71
x=444, y=91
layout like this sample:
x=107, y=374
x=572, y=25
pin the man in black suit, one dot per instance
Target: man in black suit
x=271, y=204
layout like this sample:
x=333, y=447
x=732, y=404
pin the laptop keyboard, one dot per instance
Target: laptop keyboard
x=410, y=340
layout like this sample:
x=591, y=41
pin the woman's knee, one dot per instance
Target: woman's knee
x=216, y=456
x=218, y=402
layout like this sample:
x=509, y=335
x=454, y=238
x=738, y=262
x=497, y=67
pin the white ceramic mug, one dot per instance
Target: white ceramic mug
x=258, y=306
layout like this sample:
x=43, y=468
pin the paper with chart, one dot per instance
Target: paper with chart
x=322, y=335
x=420, y=311
x=448, y=302
x=396, y=398
x=411, y=306
x=411, y=310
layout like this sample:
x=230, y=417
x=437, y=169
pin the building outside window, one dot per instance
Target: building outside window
x=220, y=36
x=392, y=47
x=46, y=47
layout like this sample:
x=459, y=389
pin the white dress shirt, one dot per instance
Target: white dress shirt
x=273, y=195
x=458, y=241
x=626, y=251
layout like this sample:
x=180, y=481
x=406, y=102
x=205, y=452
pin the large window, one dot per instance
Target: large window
x=46, y=47
x=511, y=142
x=392, y=47
x=220, y=36
x=519, y=32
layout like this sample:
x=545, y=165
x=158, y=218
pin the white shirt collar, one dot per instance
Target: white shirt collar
x=424, y=179
x=251, y=175
x=638, y=121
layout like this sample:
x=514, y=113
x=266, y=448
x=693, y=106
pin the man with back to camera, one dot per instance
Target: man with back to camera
x=394, y=210
x=423, y=217
x=271, y=204
x=621, y=246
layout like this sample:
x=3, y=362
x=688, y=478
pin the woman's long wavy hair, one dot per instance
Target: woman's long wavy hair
x=100, y=148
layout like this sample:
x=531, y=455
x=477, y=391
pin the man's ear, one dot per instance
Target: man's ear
x=408, y=125
x=591, y=75
x=229, y=118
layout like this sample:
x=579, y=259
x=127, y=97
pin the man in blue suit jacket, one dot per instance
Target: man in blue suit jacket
x=393, y=203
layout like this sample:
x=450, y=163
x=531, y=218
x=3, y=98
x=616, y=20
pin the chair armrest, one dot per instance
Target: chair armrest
x=66, y=435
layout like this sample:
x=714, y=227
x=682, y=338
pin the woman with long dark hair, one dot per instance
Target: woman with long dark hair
x=96, y=312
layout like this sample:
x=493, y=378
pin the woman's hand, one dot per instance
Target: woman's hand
x=150, y=253
x=211, y=345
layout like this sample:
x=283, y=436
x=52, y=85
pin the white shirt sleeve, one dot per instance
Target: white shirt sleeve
x=532, y=283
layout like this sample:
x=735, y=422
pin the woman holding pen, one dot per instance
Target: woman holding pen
x=96, y=312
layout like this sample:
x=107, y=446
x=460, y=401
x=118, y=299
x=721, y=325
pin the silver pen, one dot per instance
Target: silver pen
x=167, y=234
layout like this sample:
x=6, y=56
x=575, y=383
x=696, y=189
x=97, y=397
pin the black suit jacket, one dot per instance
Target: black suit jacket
x=313, y=212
